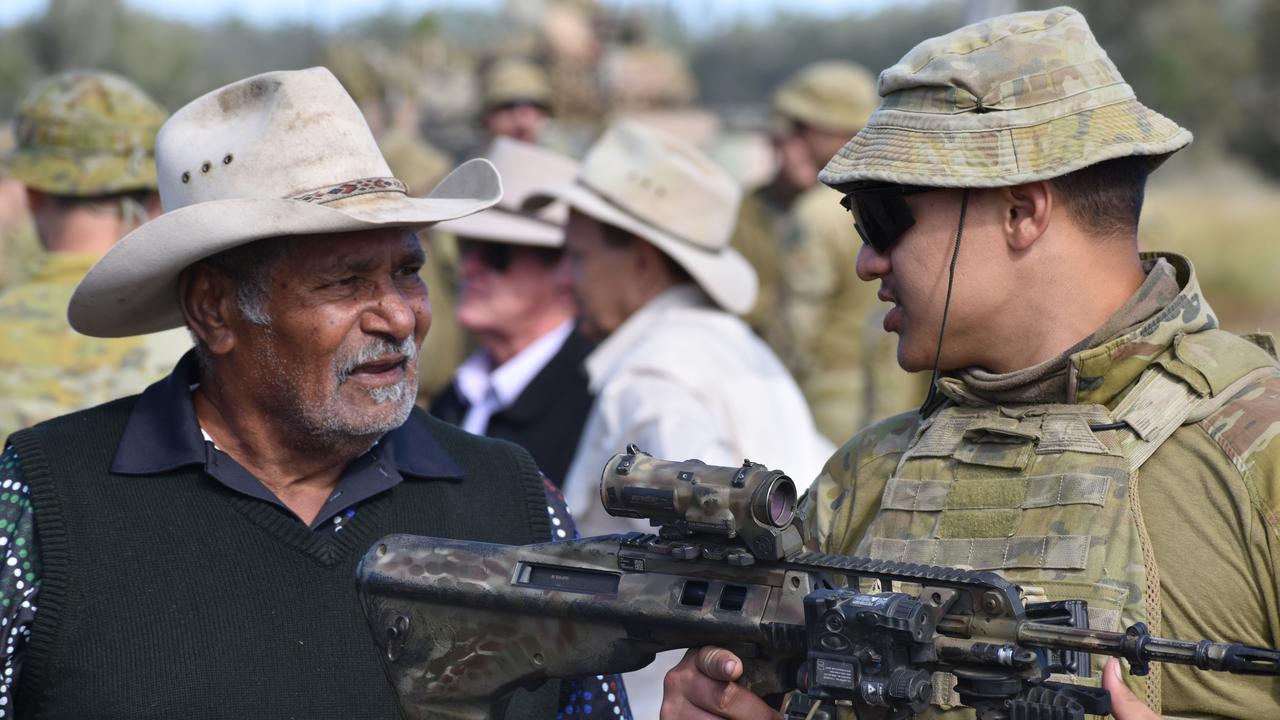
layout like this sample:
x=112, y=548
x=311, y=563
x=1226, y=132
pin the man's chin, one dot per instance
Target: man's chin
x=379, y=409
x=913, y=359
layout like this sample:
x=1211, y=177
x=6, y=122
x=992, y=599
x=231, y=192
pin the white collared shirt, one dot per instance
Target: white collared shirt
x=683, y=379
x=489, y=390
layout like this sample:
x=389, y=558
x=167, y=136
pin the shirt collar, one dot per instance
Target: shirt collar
x=1102, y=366
x=509, y=380
x=609, y=356
x=163, y=434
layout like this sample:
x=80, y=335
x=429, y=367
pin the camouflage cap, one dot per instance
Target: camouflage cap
x=832, y=94
x=85, y=133
x=1014, y=99
x=511, y=80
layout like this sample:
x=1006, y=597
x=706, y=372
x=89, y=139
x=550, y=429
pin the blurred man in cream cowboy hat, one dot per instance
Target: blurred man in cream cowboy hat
x=1085, y=402
x=194, y=545
x=676, y=371
x=526, y=382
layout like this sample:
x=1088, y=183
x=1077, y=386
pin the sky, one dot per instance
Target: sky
x=331, y=14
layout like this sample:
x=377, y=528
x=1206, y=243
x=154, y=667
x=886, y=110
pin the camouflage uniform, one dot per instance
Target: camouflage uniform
x=78, y=134
x=18, y=247
x=823, y=322
x=1074, y=478
x=18, y=243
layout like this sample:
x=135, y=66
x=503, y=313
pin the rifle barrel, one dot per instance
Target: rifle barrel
x=1140, y=648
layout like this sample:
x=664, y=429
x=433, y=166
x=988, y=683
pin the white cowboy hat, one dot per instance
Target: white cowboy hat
x=523, y=168
x=283, y=153
x=670, y=194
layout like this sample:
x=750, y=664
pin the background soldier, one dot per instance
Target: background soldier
x=85, y=151
x=822, y=321
x=18, y=243
x=1090, y=403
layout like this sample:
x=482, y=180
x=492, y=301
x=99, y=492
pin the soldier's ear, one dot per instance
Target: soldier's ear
x=1026, y=212
x=207, y=297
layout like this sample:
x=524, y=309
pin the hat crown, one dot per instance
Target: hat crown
x=833, y=94
x=665, y=183
x=88, y=112
x=1011, y=62
x=526, y=168
x=85, y=132
x=515, y=79
x=1014, y=99
x=275, y=135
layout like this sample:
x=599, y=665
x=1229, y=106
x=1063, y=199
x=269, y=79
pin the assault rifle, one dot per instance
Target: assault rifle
x=461, y=625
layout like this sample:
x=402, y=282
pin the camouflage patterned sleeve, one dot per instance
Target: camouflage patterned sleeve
x=21, y=581
x=599, y=697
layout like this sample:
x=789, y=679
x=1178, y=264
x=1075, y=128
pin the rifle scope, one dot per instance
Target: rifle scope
x=751, y=503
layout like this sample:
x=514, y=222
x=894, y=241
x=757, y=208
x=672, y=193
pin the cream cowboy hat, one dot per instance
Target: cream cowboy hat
x=283, y=153
x=523, y=168
x=671, y=195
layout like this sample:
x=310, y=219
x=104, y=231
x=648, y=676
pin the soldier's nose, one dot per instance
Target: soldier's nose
x=871, y=264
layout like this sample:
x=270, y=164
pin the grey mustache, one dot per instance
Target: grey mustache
x=379, y=348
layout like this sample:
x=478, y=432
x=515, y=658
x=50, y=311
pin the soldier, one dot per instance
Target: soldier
x=812, y=309
x=517, y=100
x=18, y=243
x=517, y=103
x=1089, y=405
x=85, y=151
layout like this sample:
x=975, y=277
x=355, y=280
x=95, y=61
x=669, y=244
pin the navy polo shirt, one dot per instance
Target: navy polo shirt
x=163, y=434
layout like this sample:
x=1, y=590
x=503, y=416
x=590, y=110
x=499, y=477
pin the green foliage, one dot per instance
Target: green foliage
x=743, y=63
x=1203, y=63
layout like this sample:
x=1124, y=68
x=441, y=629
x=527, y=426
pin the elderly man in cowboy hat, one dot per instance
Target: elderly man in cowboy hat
x=676, y=371
x=194, y=546
x=1088, y=403
x=526, y=383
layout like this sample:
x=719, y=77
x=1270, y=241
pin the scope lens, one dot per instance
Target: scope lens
x=782, y=502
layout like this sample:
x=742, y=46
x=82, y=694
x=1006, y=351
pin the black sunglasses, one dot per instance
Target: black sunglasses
x=880, y=214
x=495, y=255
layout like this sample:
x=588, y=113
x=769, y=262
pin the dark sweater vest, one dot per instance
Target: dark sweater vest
x=171, y=596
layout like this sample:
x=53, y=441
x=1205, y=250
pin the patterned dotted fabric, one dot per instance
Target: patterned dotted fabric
x=20, y=578
x=601, y=696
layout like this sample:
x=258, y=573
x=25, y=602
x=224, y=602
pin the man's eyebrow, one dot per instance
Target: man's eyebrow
x=348, y=264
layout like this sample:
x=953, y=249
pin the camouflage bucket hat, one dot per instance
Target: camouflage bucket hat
x=832, y=94
x=1014, y=99
x=512, y=80
x=85, y=133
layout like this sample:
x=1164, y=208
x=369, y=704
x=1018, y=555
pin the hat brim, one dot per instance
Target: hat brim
x=725, y=275
x=498, y=225
x=133, y=289
x=897, y=148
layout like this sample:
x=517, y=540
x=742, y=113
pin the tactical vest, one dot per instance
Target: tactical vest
x=1048, y=495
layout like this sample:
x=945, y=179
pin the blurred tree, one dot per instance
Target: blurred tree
x=744, y=62
x=1259, y=140
x=1190, y=60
